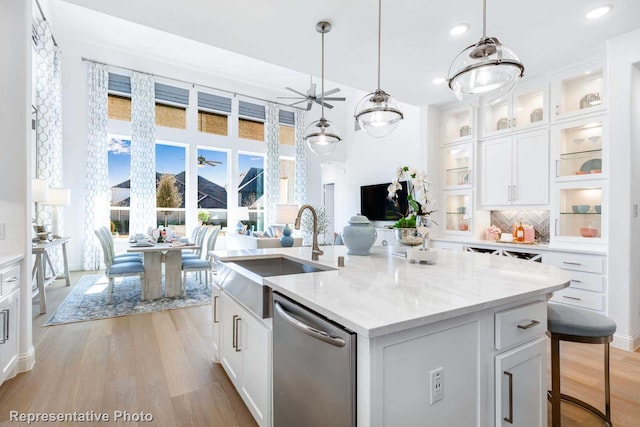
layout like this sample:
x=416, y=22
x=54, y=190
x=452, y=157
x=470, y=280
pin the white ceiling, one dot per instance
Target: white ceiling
x=416, y=45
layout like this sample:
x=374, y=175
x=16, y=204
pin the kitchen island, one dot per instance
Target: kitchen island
x=472, y=318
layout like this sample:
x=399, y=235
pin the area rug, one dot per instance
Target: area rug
x=88, y=299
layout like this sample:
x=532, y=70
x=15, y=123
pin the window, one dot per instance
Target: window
x=287, y=168
x=170, y=186
x=119, y=169
x=213, y=113
x=287, y=128
x=251, y=121
x=212, y=186
x=251, y=188
x=171, y=106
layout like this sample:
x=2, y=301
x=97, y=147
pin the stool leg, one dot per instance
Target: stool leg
x=607, y=386
x=555, y=381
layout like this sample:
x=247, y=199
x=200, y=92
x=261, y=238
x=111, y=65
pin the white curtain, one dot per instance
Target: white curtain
x=47, y=66
x=301, y=160
x=143, y=154
x=272, y=170
x=97, y=197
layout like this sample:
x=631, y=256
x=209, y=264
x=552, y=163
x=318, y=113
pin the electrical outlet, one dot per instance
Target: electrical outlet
x=437, y=384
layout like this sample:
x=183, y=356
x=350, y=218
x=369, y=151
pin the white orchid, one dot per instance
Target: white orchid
x=419, y=195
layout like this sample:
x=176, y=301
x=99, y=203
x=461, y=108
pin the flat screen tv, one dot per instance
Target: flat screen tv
x=375, y=205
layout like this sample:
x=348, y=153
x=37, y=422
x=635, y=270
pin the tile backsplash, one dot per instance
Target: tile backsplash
x=539, y=219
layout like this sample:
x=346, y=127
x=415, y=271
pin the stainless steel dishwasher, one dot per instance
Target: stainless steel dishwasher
x=314, y=368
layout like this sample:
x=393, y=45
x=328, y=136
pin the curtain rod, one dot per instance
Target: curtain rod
x=44, y=18
x=193, y=84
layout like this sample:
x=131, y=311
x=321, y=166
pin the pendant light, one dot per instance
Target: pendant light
x=486, y=71
x=322, y=136
x=378, y=113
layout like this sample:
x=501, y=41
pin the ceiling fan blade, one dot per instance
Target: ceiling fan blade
x=290, y=97
x=331, y=92
x=333, y=98
x=296, y=103
x=325, y=104
x=309, y=105
x=295, y=91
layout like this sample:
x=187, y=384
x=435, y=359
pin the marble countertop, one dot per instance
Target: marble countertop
x=8, y=259
x=582, y=249
x=380, y=294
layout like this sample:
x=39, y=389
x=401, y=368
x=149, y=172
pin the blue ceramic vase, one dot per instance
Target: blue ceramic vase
x=359, y=236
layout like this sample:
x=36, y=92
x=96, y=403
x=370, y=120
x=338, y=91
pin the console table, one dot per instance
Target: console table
x=41, y=252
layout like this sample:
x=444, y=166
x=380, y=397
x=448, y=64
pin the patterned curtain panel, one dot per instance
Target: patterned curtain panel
x=47, y=63
x=143, y=154
x=301, y=160
x=272, y=190
x=97, y=197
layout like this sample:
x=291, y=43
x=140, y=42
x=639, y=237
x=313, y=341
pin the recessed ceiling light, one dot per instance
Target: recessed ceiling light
x=439, y=80
x=459, y=29
x=598, y=12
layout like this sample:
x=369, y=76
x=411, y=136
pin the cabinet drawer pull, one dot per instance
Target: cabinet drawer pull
x=233, y=334
x=529, y=325
x=12, y=279
x=236, y=327
x=576, y=281
x=5, y=326
x=573, y=298
x=215, y=309
x=509, y=419
x=571, y=263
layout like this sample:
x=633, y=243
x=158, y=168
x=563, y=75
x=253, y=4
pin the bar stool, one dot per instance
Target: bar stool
x=566, y=323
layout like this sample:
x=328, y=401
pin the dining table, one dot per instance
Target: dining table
x=156, y=254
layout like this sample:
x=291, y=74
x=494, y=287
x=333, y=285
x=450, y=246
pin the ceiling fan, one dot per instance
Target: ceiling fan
x=202, y=162
x=310, y=97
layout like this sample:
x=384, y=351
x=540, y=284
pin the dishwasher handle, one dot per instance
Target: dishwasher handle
x=309, y=330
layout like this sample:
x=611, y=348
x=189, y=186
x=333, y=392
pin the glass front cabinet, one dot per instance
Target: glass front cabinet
x=457, y=124
x=525, y=108
x=457, y=161
x=578, y=149
x=579, y=213
x=578, y=91
x=458, y=211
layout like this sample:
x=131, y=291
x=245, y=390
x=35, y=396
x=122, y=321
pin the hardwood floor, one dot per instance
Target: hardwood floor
x=160, y=363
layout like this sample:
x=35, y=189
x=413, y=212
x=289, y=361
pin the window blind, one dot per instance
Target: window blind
x=287, y=118
x=119, y=83
x=171, y=94
x=214, y=102
x=248, y=109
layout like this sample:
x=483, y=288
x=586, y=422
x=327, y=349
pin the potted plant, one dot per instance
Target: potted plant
x=419, y=204
x=203, y=217
x=306, y=223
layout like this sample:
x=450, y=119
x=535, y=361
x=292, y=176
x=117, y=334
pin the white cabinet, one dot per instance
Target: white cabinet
x=216, y=314
x=577, y=212
x=457, y=170
x=9, y=317
x=9, y=311
x=520, y=389
x=246, y=357
x=578, y=91
x=456, y=124
x=525, y=108
x=458, y=211
x=578, y=149
x=515, y=170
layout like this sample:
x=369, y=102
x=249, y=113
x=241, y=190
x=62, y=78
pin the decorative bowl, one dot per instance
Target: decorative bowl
x=588, y=232
x=595, y=171
x=422, y=256
x=574, y=208
x=44, y=236
x=409, y=236
x=583, y=209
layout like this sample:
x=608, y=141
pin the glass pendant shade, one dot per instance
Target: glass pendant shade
x=322, y=136
x=484, y=72
x=378, y=113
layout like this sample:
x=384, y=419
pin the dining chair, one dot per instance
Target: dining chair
x=105, y=234
x=199, y=265
x=199, y=238
x=120, y=269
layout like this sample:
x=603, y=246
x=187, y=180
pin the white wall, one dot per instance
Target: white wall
x=624, y=242
x=370, y=160
x=15, y=173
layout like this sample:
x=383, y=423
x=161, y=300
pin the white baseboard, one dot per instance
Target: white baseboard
x=26, y=361
x=626, y=342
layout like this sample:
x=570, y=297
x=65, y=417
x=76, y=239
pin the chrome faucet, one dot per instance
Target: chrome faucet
x=315, y=250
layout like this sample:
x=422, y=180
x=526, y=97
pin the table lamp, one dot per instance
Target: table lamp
x=286, y=214
x=243, y=215
x=57, y=197
x=39, y=193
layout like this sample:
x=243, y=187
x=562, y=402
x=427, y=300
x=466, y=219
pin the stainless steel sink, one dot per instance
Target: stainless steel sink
x=244, y=279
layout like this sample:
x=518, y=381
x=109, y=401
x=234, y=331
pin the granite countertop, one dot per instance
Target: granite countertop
x=8, y=259
x=380, y=294
x=596, y=249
